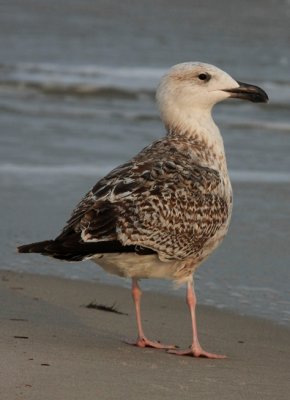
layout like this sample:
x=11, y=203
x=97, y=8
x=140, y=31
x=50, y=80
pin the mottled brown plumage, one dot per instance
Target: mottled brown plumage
x=163, y=199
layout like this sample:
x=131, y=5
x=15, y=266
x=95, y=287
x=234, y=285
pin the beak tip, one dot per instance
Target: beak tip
x=258, y=98
x=249, y=92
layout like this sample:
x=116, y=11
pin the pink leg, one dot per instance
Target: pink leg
x=142, y=341
x=195, y=349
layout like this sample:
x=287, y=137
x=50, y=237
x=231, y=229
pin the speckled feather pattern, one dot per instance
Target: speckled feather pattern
x=166, y=199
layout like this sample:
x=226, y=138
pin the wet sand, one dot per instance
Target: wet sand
x=53, y=347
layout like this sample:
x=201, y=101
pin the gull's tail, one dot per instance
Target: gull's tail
x=46, y=248
x=62, y=250
x=71, y=248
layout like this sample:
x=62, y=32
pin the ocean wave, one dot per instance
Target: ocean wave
x=88, y=80
x=58, y=109
x=258, y=124
x=58, y=171
x=259, y=176
x=81, y=80
x=79, y=89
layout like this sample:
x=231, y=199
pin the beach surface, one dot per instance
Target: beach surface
x=53, y=347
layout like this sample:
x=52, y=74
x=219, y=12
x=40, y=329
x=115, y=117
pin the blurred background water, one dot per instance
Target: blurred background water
x=77, y=84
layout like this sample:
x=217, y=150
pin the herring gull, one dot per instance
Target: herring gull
x=161, y=214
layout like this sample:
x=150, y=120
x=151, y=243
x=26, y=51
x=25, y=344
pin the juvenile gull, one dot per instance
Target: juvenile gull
x=161, y=214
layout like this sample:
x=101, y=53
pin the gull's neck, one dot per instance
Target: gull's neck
x=196, y=125
x=195, y=132
x=193, y=123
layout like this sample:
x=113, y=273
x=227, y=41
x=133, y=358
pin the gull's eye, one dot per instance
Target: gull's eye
x=204, y=77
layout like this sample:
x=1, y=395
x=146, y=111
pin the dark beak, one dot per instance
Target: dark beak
x=249, y=92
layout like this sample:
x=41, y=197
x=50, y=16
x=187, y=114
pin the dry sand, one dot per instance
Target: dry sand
x=52, y=347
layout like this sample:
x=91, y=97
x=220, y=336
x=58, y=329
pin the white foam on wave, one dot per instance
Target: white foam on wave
x=89, y=78
x=82, y=78
x=259, y=176
x=267, y=126
x=58, y=171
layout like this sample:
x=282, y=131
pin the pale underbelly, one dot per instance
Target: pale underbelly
x=132, y=265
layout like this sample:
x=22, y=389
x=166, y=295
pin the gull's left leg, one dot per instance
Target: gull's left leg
x=142, y=341
x=195, y=349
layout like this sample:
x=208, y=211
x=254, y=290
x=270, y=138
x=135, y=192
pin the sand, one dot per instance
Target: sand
x=53, y=347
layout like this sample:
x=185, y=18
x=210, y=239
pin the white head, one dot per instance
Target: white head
x=187, y=93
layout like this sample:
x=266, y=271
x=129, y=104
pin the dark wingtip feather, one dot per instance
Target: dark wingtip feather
x=24, y=248
x=37, y=247
x=72, y=249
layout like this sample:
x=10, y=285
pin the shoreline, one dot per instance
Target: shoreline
x=53, y=347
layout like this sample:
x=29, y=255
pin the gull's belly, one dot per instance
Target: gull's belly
x=132, y=265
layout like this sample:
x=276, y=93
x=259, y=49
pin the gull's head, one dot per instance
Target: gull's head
x=193, y=88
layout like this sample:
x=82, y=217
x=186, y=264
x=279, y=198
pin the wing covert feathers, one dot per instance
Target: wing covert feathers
x=166, y=200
